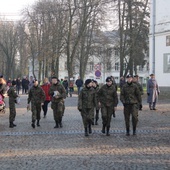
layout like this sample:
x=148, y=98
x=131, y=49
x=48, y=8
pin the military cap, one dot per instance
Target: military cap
x=54, y=77
x=108, y=79
x=88, y=81
x=152, y=74
x=129, y=76
x=136, y=75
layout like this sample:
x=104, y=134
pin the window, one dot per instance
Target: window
x=140, y=68
x=91, y=65
x=168, y=40
x=116, y=66
x=108, y=66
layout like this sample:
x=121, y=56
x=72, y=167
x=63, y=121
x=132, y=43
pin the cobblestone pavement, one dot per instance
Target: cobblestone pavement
x=66, y=148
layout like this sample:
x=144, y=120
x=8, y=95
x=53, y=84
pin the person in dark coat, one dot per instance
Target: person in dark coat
x=79, y=84
x=152, y=92
x=65, y=84
x=18, y=85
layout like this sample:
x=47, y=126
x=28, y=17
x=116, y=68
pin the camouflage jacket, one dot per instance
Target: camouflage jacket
x=130, y=94
x=12, y=94
x=108, y=96
x=140, y=87
x=36, y=95
x=87, y=99
x=61, y=92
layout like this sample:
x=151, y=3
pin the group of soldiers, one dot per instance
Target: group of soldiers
x=106, y=99
x=90, y=100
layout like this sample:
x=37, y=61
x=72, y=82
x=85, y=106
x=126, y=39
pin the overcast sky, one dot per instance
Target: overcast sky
x=13, y=7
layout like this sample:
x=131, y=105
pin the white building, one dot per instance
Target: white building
x=160, y=42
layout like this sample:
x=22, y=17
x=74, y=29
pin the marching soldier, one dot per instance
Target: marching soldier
x=130, y=96
x=12, y=98
x=86, y=103
x=136, y=81
x=96, y=89
x=58, y=94
x=108, y=101
x=36, y=97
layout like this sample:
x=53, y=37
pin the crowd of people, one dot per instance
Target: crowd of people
x=91, y=99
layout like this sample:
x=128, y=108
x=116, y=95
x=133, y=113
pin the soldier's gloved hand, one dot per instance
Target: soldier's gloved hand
x=148, y=94
x=158, y=93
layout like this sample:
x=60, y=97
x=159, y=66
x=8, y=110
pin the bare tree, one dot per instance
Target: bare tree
x=8, y=46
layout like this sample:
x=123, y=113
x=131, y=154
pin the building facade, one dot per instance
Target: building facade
x=159, y=42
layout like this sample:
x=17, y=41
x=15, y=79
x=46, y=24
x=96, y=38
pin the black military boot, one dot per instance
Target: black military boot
x=14, y=124
x=90, y=130
x=127, y=132
x=60, y=123
x=33, y=124
x=97, y=117
x=38, y=122
x=86, y=133
x=107, y=133
x=103, y=129
x=114, y=115
x=56, y=124
x=134, y=130
x=11, y=125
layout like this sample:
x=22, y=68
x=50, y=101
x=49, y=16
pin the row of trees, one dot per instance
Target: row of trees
x=52, y=28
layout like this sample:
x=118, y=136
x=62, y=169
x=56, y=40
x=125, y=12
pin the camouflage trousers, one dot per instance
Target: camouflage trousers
x=58, y=110
x=87, y=116
x=36, y=111
x=12, y=112
x=131, y=109
x=107, y=112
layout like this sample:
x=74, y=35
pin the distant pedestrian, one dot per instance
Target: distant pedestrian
x=65, y=84
x=79, y=84
x=36, y=97
x=71, y=88
x=24, y=84
x=12, y=100
x=115, y=85
x=122, y=82
x=58, y=94
x=152, y=92
x=86, y=103
x=108, y=101
x=18, y=85
x=46, y=87
x=130, y=96
x=30, y=85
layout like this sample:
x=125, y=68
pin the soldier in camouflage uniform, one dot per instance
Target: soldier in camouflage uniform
x=96, y=89
x=136, y=81
x=58, y=94
x=12, y=110
x=36, y=96
x=108, y=101
x=130, y=96
x=86, y=103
